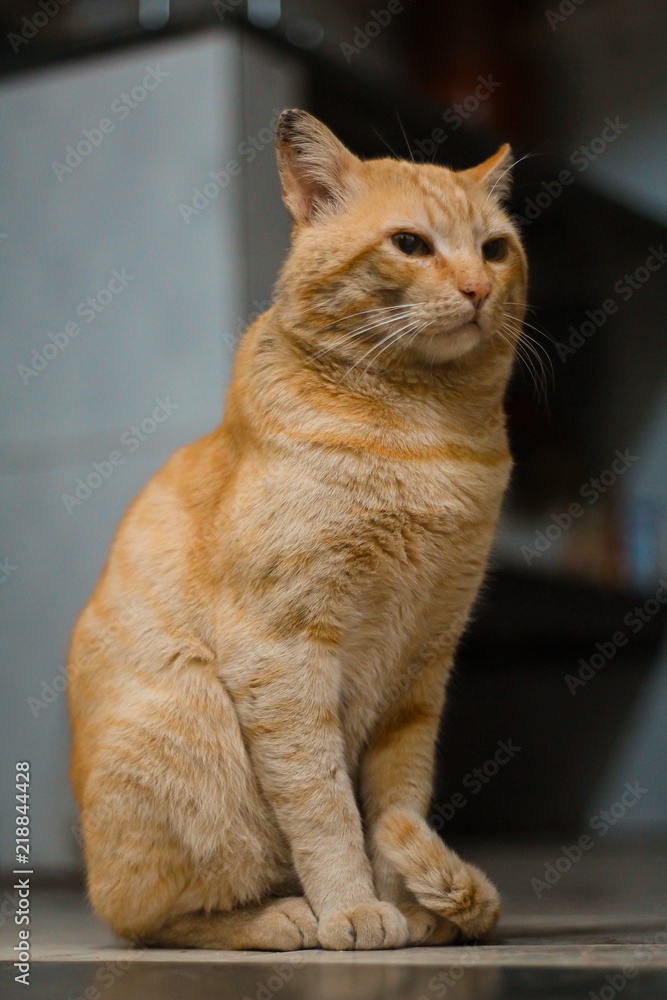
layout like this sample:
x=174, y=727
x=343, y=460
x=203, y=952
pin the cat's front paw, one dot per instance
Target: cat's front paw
x=294, y=917
x=439, y=879
x=363, y=927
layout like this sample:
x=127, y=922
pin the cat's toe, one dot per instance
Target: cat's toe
x=364, y=927
x=301, y=927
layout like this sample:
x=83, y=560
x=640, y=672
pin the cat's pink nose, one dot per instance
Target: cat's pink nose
x=477, y=291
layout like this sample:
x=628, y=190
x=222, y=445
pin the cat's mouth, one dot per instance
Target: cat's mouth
x=446, y=343
x=470, y=326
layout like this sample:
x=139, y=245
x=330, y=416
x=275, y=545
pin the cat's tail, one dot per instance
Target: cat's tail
x=440, y=880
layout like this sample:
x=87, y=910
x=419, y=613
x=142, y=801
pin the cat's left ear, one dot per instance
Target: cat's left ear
x=315, y=167
x=495, y=174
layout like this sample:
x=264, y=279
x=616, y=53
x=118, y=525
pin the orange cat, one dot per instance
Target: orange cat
x=256, y=684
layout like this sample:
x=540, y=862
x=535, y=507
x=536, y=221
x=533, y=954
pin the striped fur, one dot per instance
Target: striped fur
x=256, y=684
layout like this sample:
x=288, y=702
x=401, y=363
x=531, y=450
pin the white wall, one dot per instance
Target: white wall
x=164, y=336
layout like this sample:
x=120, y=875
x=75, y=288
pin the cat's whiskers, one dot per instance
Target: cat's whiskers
x=392, y=334
x=405, y=136
x=411, y=329
x=511, y=167
x=540, y=353
x=377, y=323
x=526, y=352
x=377, y=309
x=535, y=345
x=531, y=326
x=351, y=335
x=413, y=334
x=513, y=337
x=391, y=150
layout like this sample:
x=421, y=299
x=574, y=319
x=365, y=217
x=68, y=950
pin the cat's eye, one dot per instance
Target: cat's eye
x=411, y=244
x=495, y=249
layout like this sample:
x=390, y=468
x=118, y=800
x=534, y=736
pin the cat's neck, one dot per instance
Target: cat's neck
x=280, y=380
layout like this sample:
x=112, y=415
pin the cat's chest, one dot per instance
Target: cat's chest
x=410, y=565
x=418, y=510
x=360, y=546
x=429, y=541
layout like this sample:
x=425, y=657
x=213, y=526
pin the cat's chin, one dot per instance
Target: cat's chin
x=451, y=344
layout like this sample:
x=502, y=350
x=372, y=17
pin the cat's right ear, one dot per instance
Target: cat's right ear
x=315, y=168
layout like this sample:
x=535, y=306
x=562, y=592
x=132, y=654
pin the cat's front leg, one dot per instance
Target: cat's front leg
x=458, y=892
x=442, y=897
x=397, y=771
x=288, y=709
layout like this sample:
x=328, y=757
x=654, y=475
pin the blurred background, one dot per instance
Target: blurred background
x=141, y=229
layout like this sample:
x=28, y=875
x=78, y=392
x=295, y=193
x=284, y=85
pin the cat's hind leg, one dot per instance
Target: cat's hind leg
x=280, y=924
x=145, y=887
x=172, y=819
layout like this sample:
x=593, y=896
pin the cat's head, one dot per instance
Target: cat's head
x=394, y=262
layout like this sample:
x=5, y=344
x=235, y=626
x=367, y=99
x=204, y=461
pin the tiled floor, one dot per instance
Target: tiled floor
x=598, y=931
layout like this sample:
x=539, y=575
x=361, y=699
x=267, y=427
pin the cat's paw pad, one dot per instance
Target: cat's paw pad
x=439, y=879
x=363, y=927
